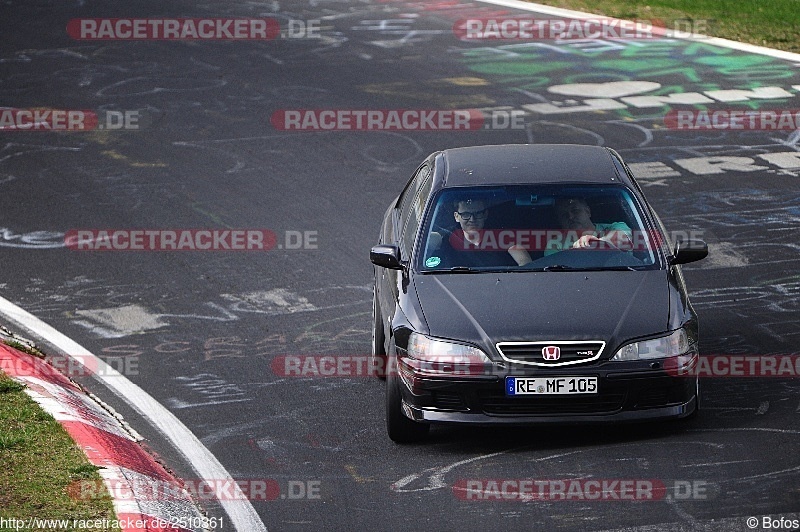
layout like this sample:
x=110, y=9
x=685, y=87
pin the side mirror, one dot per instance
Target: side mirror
x=689, y=251
x=386, y=257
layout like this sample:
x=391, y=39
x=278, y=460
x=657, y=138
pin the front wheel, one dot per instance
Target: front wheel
x=400, y=428
x=694, y=414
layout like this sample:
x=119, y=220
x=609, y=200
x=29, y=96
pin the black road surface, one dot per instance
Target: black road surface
x=202, y=331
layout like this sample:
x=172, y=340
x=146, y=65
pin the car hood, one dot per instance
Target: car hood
x=487, y=308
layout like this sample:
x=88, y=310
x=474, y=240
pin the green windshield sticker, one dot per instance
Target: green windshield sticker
x=433, y=262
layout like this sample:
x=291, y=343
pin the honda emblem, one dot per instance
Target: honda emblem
x=551, y=352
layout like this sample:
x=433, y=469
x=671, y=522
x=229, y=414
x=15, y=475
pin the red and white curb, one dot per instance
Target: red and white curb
x=242, y=516
x=108, y=444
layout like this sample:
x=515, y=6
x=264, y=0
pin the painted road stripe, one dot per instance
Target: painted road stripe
x=580, y=15
x=241, y=512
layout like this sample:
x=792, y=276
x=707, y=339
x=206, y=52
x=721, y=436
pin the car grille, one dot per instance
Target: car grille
x=531, y=353
x=500, y=405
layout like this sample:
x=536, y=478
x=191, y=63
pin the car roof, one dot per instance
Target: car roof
x=528, y=163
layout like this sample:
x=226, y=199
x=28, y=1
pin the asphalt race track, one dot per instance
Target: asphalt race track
x=202, y=331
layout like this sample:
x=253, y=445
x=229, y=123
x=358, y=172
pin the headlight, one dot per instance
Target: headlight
x=674, y=344
x=439, y=358
x=441, y=352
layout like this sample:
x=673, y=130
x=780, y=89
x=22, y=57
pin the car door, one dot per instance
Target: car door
x=407, y=211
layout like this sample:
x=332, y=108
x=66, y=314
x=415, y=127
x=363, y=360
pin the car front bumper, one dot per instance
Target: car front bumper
x=636, y=394
x=427, y=415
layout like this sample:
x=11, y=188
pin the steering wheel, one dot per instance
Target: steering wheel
x=605, y=246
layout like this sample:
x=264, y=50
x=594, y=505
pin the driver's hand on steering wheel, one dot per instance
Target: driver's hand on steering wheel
x=593, y=242
x=586, y=241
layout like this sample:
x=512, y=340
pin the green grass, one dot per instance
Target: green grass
x=25, y=348
x=39, y=461
x=772, y=23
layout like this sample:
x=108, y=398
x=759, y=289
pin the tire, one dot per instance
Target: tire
x=378, y=340
x=400, y=428
x=699, y=395
x=696, y=412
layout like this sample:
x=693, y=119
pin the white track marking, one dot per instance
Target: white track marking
x=240, y=510
x=436, y=478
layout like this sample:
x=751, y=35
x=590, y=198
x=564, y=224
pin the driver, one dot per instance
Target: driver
x=580, y=232
x=464, y=246
x=574, y=215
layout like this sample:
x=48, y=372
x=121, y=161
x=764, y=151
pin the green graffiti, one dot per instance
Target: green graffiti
x=735, y=62
x=687, y=72
x=510, y=68
x=594, y=78
x=758, y=104
x=696, y=48
x=504, y=52
x=750, y=66
x=651, y=49
x=707, y=86
x=666, y=90
x=535, y=83
x=636, y=65
x=649, y=69
x=681, y=66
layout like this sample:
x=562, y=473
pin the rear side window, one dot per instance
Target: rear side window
x=416, y=209
x=410, y=193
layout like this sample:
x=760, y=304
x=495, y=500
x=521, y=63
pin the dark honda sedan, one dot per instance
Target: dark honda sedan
x=530, y=284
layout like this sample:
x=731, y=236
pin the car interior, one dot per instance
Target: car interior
x=533, y=212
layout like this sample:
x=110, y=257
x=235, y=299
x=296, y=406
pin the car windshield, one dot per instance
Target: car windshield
x=536, y=228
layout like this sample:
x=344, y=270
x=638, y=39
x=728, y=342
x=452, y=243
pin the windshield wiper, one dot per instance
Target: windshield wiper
x=623, y=268
x=565, y=268
x=558, y=268
x=467, y=269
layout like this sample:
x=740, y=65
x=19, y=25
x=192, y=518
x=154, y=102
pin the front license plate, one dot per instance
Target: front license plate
x=550, y=385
